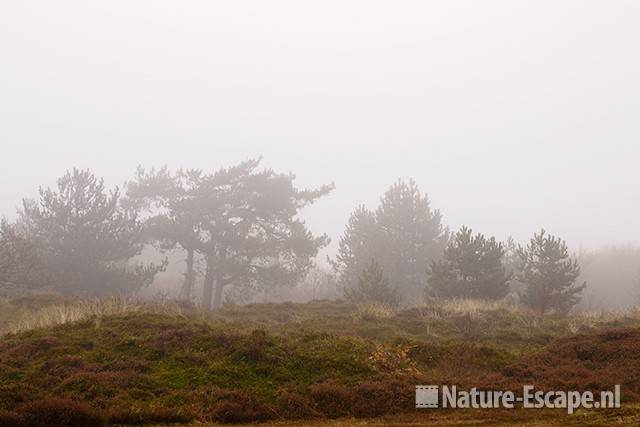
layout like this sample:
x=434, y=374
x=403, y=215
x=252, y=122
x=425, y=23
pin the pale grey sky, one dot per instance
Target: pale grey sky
x=511, y=115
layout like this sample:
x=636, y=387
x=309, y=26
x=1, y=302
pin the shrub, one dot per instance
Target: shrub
x=239, y=407
x=296, y=406
x=59, y=413
x=385, y=396
x=255, y=346
x=9, y=419
x=393, y=360
x=132, y=416
x=331, y=399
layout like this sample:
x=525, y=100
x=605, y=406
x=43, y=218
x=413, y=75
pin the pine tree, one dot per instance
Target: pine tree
x=20, y=266
x=549, y=274
x=471, y=267
x=403, y=235
x=373, y=286
x=165, y=200
x=357, y=247
x=241, y=220
x=85, y=238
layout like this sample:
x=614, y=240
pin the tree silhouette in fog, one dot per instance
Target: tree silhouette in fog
x=357, y=246
x=84, y=238
x=403, y=235
x=19, y=262
x=549, y=275
x=241, y=220
x=165, y=200
x=373, y=286
x=471, y=267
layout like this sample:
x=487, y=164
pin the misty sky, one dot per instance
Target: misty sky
x=511, y=115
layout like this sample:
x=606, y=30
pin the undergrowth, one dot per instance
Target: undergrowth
x=130, y=362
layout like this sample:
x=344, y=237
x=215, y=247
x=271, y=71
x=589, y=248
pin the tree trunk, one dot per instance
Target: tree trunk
x=207, y=289
x=543, y=305
x=189, y=276
x=217, y=298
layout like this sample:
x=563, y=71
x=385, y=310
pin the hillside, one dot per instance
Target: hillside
x=125, y=362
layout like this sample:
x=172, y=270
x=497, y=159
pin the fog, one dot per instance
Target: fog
x=511, y=115
x=330, y=213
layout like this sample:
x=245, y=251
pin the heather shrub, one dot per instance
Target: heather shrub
x=59, y=413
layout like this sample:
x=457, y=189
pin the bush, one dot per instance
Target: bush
x=59, y=413
x=9, y=419
x=296, y=406
x=239, y=407
x=385, y=396
x=133, y=416
x=332, y=399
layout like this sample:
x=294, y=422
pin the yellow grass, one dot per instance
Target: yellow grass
x=84, y=309
x=374, y=311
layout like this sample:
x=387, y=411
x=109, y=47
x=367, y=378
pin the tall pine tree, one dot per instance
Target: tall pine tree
x=241, y=220
x=549, y=274
x=403, y=235
x=85, y=238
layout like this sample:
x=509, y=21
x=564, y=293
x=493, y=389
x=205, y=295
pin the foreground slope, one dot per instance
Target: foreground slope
x=147, y=364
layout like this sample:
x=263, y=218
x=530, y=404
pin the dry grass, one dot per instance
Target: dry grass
x=589, y=320
x=444, y=309
x=473, y=306
x=84, y=309
x=45, y=310
x=475, y=309
x=374, y=311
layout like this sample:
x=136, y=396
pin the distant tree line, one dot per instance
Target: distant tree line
x=401, y=253
x=242, y=225
x=80, y=238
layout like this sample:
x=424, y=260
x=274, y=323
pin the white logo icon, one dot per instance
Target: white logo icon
x=426, y=396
